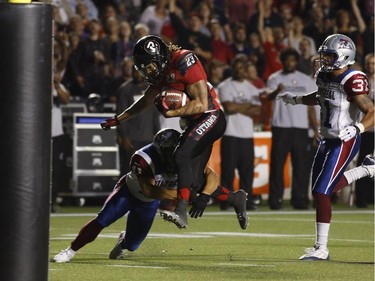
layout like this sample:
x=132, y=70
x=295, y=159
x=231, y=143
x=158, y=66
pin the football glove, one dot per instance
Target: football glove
x=199, y=205
x=348, y=133
x=111, y=122
x=288, y=98
x=158, y=101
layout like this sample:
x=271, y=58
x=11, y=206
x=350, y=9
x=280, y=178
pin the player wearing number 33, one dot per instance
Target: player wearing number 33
x=342, y=95
x=167, y=66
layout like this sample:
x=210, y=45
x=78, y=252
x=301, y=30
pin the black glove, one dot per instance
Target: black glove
x=199, y=205
x=111, y=122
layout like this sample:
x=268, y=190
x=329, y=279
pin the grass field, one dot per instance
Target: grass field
x=215, y=248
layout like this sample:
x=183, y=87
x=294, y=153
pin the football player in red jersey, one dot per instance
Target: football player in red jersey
x=169, y=66
x=346, y=112
x=153, y=176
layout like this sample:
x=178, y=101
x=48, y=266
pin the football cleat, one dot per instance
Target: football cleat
x=369, y=164
x=179, y=221
x=117, y=251
x=64, y=256
x=239, y=204
x=315, y=254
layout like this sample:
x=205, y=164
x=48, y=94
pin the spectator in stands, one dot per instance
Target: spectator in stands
x=367, y=32
x=154, y=16
x=241, y=104
x=344, y=25
x=140, y=130
x=82, y=11
x=190, y=37
x=262, y=120
x=76, y=26
x=272, y=38
x=286, y=14
x=240, y=43
x=70, y=79
x=221, y=50
x=240, y=11
x=317, y=27
x=126, y=73
x=122, y=48
x=257, y=56
x=270, y=18
x=206, y=15
x=364, y=188
x=295, y=36
x=91, y=11
x=289, y=133
x=215, y=71
x=93, y=62
x=140, y=30
x=304, y=63
x=111, y=30
x=108, y=11
x=61, y=95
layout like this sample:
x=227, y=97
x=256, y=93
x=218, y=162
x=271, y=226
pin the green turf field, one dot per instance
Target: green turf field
x=215, y=248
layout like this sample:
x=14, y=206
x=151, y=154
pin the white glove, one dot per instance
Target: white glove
x=288, y=98
x=348, y=133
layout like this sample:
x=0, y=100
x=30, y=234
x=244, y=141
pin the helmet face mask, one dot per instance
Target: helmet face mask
x=151, y=56
x=336, y=52
x=165, y=142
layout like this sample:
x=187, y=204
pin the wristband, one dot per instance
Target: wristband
x=360, y=128
x=298, y=99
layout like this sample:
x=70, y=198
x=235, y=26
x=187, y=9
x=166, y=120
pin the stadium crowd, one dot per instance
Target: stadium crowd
x=94, y=39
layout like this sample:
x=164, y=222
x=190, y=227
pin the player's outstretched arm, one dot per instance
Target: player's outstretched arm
x=145, y=101
x=289, y=98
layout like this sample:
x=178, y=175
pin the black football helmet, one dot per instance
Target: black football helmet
x=165, y=142
x=151, y=56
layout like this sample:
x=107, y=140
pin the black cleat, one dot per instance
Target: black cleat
x=239, y=204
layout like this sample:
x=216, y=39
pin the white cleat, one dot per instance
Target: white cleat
x=117, y=251
x=369, y=164
x=64, y=256
x=315, y=254
x=180, y=222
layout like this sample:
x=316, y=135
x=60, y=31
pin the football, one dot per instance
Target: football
x=173, y=99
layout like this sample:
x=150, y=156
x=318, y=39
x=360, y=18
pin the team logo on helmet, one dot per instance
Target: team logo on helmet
x=345, y=44
x=152, y=47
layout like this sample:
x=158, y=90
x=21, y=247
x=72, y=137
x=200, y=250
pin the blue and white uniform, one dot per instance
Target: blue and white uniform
x=127, y=197
x=337, y=112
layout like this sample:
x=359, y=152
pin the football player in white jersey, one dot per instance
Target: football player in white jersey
x=153, y=177
x=342, y=94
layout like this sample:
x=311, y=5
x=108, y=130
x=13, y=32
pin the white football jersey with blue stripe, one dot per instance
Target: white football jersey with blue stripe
x=335, y=99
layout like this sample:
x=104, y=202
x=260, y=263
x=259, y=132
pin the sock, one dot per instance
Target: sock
x=323, y=219
x=342, y=182
x=87, y=234
x=222, y=194
x=183, y=193
x=322, y=230
x=323, y=208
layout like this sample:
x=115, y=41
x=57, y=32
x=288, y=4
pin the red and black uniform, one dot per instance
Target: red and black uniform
x=203, y=129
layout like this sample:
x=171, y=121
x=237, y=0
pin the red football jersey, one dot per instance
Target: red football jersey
x=185, y=69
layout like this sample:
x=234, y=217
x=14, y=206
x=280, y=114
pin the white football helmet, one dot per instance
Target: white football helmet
x=341, y=48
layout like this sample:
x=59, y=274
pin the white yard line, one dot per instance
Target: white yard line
x=251, y=213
